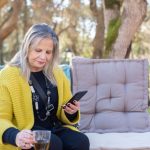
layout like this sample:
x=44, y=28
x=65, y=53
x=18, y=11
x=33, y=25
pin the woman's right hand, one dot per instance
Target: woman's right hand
x=24, y=139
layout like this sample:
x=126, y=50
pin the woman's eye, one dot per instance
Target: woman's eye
x=38, y=50
x=48, y=52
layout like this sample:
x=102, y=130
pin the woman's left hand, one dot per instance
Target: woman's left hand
x=72, y=108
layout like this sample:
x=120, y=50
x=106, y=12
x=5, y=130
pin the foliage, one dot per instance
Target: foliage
x=112, y=34
x=72, y=26
x=76, y=29
x=141, y=42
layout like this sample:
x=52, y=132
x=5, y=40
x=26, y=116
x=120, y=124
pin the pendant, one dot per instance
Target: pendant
x=48, y=113
x=49, y=108
x=36, y=106
x=35, y=97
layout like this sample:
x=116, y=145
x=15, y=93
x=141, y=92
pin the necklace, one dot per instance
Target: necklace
x=48, y=106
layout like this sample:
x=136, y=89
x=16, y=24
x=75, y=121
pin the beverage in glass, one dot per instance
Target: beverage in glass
x=42, y=139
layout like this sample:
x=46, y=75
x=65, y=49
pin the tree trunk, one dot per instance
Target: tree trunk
x=98, y=42
x=10, y=23
x=112, y=23
x=133, y=15
x=110, y=13
x=3, y=2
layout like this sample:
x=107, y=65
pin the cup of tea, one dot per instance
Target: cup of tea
x=42, y=139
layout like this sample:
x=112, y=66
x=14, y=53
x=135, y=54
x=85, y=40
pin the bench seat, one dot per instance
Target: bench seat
x=114, y=111
x=119, y=141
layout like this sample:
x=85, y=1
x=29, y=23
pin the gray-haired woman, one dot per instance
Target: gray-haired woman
x=33, y=90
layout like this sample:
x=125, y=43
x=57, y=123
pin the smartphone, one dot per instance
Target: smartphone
x=77, y=96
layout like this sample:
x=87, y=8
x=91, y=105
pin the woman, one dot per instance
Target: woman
x=33, y=96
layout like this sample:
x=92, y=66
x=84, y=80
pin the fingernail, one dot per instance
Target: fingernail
x=63, y=106
x=74, y=101
x=68, y=104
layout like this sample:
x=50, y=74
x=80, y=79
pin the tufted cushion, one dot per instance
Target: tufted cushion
x=117, y=96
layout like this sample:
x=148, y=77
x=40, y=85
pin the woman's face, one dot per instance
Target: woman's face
x=41, y=55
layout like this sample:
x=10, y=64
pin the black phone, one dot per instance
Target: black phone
x=77, y=96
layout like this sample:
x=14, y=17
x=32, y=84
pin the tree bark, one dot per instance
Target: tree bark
x=110, y=14
x=10, y=24
x=98, y=42
x=3, y=2
x=112, y=23
x=133, y=15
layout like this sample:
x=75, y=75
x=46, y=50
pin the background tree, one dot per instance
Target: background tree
x=9, y=23
x=132, y=17
x=98, y=41
x=89, y=28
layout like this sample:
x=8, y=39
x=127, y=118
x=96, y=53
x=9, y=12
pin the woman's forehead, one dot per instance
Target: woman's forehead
x=36, y=41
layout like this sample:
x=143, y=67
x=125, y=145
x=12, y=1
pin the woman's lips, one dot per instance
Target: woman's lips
x=40, y=62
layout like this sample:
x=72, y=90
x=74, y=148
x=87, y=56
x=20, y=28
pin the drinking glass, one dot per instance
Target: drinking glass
x=42, y=139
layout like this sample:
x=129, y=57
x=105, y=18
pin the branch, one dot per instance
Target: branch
x=3, y=2
x=10, y=24
x=64, y=29
x=93, y=7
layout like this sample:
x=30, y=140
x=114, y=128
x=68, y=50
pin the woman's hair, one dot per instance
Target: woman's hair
x=36, y=33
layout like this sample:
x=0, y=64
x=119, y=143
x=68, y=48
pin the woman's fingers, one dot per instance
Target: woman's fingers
x=72, y=108
x=24, y=139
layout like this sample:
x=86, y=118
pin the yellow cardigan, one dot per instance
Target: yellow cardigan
x=16, y=101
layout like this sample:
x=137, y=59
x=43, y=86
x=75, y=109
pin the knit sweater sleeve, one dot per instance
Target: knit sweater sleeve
x=9, y=136
x=11, y=99
x=71, y=117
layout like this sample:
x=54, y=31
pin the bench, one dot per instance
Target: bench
x=114, y=111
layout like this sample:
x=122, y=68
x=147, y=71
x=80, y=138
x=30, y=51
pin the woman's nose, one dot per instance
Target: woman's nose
x=43, y=55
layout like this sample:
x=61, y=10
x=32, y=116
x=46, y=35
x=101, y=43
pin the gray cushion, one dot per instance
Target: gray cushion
x=117, y=96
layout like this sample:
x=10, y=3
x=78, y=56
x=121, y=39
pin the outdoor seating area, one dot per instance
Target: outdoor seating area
x=62, y=69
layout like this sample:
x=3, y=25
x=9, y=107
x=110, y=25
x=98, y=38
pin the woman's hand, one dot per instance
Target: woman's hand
x=24, y=139
x=72, y=108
